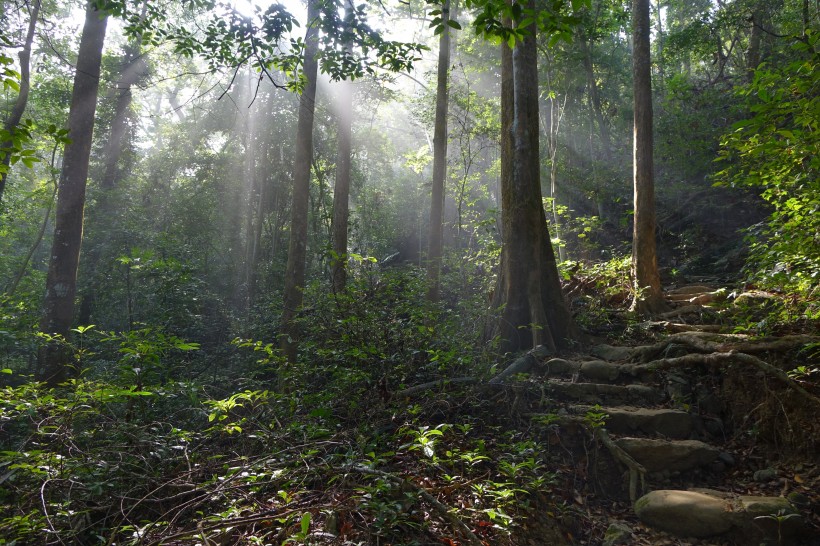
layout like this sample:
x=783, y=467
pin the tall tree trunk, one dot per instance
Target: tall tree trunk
x=133, y=69
x=647, y=284
x=435, y=247
x=595, y=99
x=341, y=189
x=61, y=282
x=297, y=248
x=19, y=108
x=534, y=309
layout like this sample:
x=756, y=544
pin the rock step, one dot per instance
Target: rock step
x=629, y=420
x=701, y=513
x=605, y=393
x=658, y=455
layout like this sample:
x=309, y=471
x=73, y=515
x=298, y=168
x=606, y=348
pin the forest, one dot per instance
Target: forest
x=403, y=272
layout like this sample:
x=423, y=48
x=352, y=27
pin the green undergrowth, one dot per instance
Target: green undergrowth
x=156, y=441
x=96, y=463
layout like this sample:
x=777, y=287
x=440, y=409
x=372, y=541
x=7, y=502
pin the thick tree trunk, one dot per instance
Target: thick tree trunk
x=22, y=97
x=61, y=282
x=297, y=247
x=435, y=247
x=341, y=189
x=534, y=310
x=647, y=284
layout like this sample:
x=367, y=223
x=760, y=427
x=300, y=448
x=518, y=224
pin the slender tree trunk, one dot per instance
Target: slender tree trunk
x=19, y=108
x=753, y=53
x=297, y=248
x=61, y=282
x=341, y=189
x=435, y=247
x=648, y=293
x=534, y=310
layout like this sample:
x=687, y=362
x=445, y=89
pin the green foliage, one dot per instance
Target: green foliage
x=777, y=150
x=350, y=48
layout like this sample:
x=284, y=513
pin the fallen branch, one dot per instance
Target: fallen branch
x=444, y=510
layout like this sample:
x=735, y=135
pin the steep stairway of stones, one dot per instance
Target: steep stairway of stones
x=663, y=428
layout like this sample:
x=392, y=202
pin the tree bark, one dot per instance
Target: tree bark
x=435, y=247
x=341, y=189
x=647, y=284
x=529, y=289
x=297, y=247
x=19, y=108
x=61, y=282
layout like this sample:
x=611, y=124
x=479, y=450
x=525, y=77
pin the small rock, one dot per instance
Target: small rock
x=765, y=475
x=727, y=458
x=684, y=513
x=617, y=533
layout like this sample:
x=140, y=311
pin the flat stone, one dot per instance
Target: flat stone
x=611, y=353
x=674, y=455
x=673, y=424
x=600, y=392
x=599, y=370
x=684, y=513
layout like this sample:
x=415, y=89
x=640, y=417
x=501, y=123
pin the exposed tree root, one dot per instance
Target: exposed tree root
x=635, y=468
x=718, y=359
x=438, y=384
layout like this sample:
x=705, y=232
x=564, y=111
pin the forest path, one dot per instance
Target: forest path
x=687, y=425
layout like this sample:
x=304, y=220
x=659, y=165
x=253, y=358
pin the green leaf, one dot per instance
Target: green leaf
x=453, y=24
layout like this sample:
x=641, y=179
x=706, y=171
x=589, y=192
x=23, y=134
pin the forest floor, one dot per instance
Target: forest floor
x=719, y=395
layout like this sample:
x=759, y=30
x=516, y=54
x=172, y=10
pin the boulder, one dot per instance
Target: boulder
x=684, y=513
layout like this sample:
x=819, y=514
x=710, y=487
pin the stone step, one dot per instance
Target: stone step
x=702, y=513
x=629, y=420
x=657, y=455
x=605, y=393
